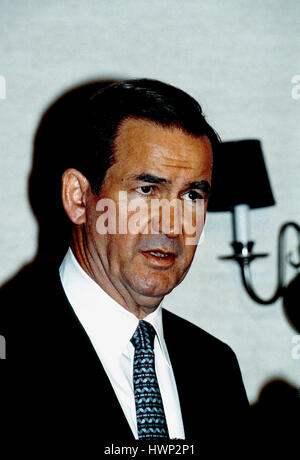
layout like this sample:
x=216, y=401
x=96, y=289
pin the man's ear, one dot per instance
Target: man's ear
x=74, y=195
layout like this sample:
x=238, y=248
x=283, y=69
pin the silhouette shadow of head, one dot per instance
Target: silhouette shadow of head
x=274, y=415
x=60, y=141
x=278, y=405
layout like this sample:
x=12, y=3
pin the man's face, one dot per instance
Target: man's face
x=151, y=162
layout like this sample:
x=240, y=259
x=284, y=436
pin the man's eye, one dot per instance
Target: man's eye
x=192, y=196
x=145, y=189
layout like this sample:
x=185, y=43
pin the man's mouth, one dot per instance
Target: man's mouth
x=159, y=257
x=160, y=254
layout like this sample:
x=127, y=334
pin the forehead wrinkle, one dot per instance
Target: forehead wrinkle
x=165, y=152
x=177, y=166
x=179, y=162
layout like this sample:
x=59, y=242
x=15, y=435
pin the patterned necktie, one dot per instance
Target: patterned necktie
x=150, y=414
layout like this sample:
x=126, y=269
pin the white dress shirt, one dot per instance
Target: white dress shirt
x=110, y=328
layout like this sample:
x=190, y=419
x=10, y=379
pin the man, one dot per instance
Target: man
x=79, y=332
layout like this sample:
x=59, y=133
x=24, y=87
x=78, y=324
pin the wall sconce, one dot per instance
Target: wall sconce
x=241, y=183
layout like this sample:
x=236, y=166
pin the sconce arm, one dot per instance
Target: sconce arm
x=247, y=282
x=244, y=263
x=244, y=256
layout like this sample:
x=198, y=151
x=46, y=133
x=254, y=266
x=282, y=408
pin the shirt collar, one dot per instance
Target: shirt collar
x=108, y=324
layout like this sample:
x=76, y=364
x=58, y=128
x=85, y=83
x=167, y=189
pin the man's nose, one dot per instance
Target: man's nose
x=168, y=220
x=175, y=227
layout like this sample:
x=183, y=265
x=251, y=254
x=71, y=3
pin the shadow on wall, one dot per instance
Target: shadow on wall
x=60, y=139
x=275, y=416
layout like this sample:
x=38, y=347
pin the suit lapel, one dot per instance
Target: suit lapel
x=83, y=372
x=180, y=360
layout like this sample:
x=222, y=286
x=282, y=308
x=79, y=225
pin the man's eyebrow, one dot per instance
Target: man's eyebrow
x=201, y=185
x=150, y=178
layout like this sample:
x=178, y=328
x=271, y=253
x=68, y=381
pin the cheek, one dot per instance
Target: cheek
x=121, y=250
x=189, y=252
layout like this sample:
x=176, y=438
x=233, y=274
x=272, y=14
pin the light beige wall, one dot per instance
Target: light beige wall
x=237, y=58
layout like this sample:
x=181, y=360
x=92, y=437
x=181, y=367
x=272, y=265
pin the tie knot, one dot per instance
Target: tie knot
x=143, y=336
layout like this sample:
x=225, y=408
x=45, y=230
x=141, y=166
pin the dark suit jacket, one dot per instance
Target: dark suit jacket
x=60, y=390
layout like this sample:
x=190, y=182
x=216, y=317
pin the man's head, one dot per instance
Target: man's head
x=151, y=142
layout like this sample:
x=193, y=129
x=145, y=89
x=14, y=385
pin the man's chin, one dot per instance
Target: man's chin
x=150, y=296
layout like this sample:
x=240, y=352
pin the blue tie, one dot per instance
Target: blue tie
x=150, y=414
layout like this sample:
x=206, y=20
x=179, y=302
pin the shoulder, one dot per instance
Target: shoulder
x=31, y=279
x=191, y=347
x=22, y=297
x=177, y=328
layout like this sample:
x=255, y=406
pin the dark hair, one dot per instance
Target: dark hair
x=147, y=99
